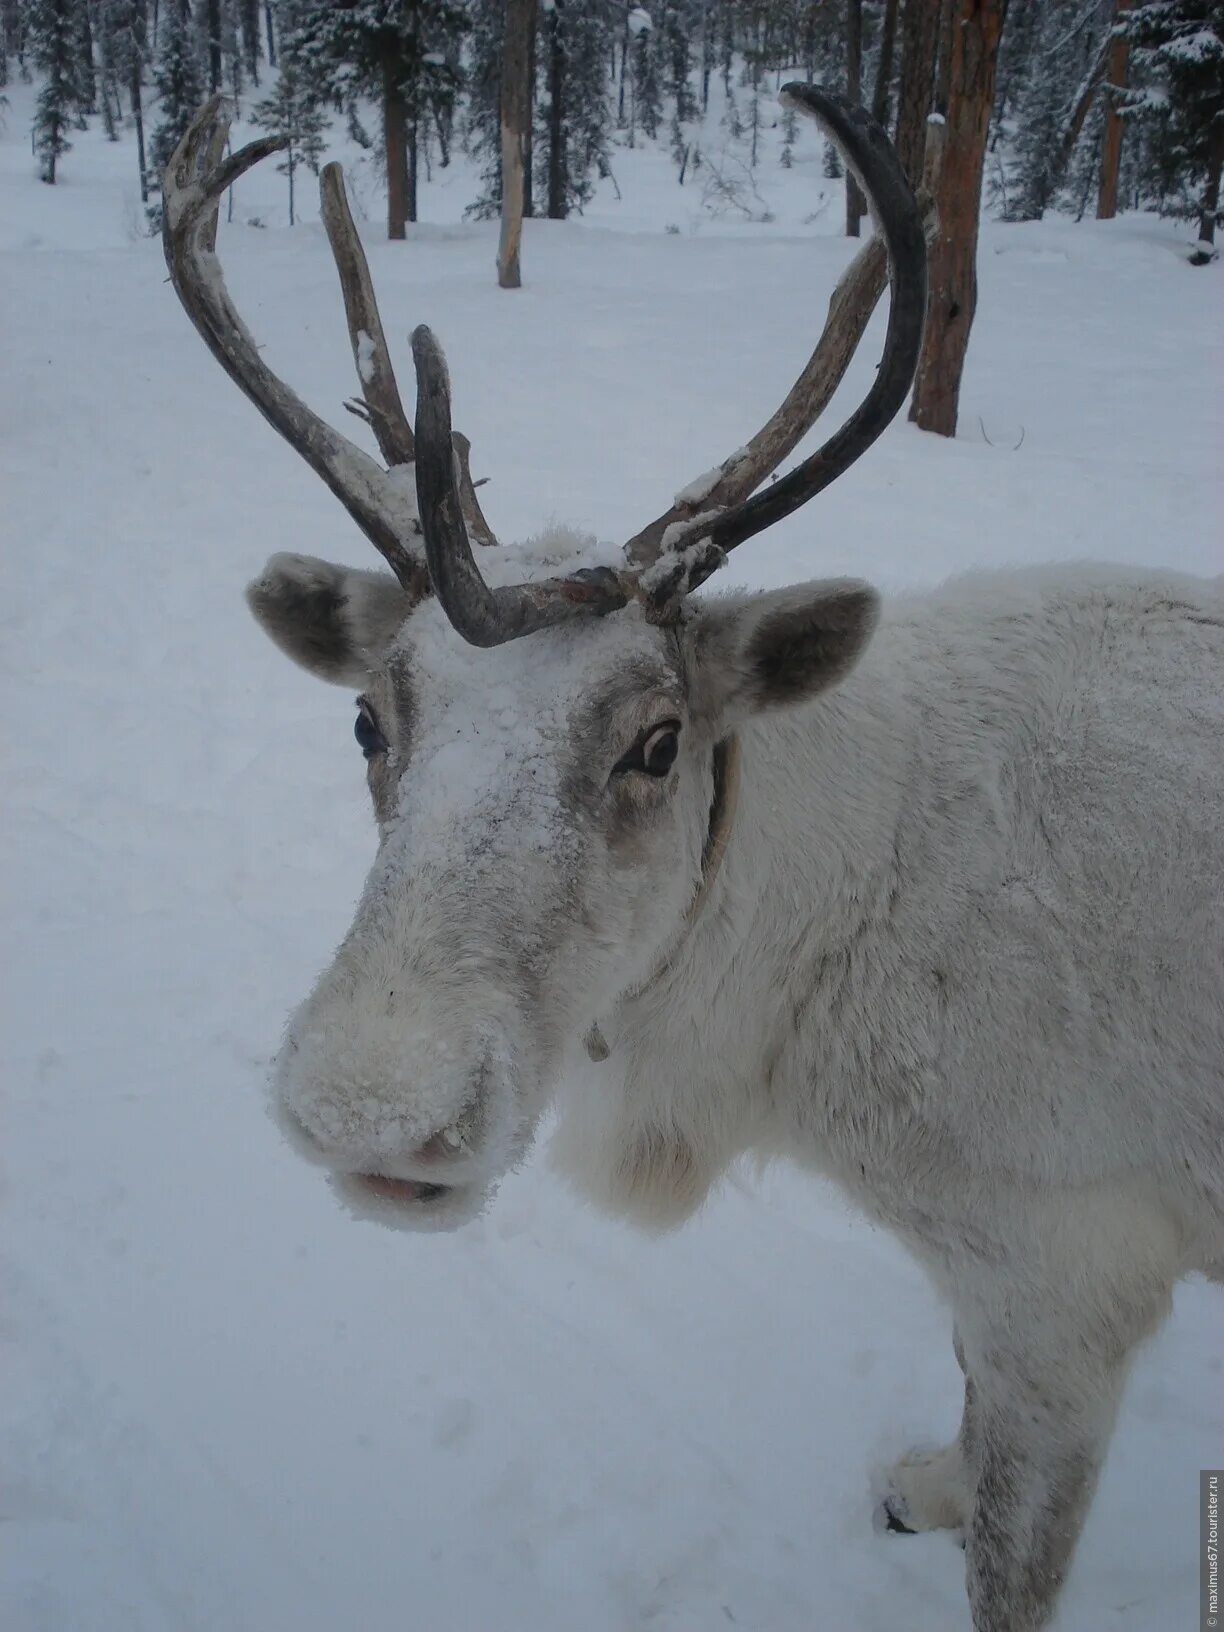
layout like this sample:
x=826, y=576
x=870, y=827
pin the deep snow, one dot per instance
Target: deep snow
x=228, y=1406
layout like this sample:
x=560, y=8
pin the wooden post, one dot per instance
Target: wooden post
x=515, y=121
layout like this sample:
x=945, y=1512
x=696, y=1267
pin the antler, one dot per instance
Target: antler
x=899, y=244
x=677, y=551
x=719, y=515
x=382, y=505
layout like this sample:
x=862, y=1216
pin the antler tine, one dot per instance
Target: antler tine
x=191, y=194
x=900, y=240
x=384, y=410
x=483, y=616
x=370, y=355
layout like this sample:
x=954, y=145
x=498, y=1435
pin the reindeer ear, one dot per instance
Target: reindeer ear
x=335, y=621
x=781, y=648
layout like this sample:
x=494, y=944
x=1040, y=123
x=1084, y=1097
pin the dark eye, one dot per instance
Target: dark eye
x=369, y=738
x=655, y=753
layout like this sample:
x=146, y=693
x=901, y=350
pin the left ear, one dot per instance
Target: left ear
x=754, y=652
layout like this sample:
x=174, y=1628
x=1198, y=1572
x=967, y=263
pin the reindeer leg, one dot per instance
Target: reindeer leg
x=1047, y=1378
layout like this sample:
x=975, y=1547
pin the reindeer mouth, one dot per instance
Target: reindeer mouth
x=411, y=1191
x=410, y=1204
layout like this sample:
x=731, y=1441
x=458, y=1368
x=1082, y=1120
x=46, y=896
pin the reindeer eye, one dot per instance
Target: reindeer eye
x=369, y=738
x=655, y=753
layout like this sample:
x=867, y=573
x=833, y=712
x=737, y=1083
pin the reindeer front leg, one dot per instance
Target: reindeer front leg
x=1045, y=1380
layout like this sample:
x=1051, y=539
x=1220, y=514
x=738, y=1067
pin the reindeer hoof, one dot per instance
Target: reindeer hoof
x=887, y=1522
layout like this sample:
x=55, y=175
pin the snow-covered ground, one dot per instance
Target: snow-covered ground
x=228, y=1407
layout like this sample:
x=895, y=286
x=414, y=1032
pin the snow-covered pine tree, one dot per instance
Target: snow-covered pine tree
x=108, y=73
x=1177, y=52
x=12, y=40
x=83, y=54
x=482, y=120
x=646, y=92
x=680, y=25
x=126, y=23
x=575, y=47
x=1054, y=69
x=293, y=111
x=180, y=89
x=407, y=55
x=248, y=29
x=53, y=39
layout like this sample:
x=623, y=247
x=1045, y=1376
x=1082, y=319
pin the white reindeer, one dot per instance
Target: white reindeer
x=927, y=901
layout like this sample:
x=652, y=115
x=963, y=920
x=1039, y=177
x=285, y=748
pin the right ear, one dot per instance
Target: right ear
x=335, y=621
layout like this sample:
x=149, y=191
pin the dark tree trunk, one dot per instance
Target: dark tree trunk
x=977, y=27
x=919, y=45
x=212, y=19
x=558, y=169
x=138, y=116
x=883, y=84
x=395, y=150
x=1111, y=138
x=270, y=23
x=943, y=61
x=1211, y=198
x=515, y=124
x=856, y=205
x=529, y=147
x=411, y=145
x=249, y=23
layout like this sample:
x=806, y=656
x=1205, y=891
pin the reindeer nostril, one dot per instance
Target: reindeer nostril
x=449, y=1142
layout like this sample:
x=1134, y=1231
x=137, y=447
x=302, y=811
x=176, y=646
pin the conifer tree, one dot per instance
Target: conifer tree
x=53, y=40
x=293, y=111
x=406, y=53
x=575, y=44
x=126, y=23
x=86, y=93
x=180, y=87
x=1177, y=47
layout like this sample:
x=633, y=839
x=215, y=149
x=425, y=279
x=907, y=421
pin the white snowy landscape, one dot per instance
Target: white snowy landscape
x=227, y=1406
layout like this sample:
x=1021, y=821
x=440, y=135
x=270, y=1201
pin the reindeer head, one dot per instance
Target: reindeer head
x=550, y=808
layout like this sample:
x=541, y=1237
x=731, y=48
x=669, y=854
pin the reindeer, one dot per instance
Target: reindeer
x=926, y=900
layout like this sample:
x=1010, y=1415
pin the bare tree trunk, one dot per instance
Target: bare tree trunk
x=977, y=27
x=249, y=24
x=1075, y=124
x=883, y=84
x=919, y=44
x=410, y=147
x=943, y=60
x=212, y=21
x=1211, y=198
x=1111, y=140
x=138, y=116
x=270, y=21
x=856, y=204
x=557, y=168
x=515, y=119
x=529, y=133
x=395, y=148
